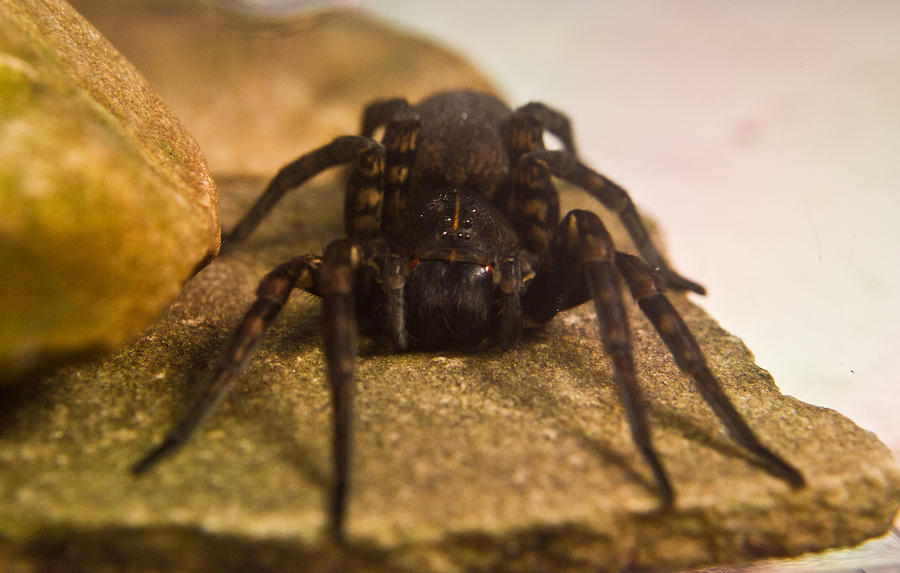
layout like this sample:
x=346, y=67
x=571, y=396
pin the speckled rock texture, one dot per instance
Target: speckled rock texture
x=519, y=460
x=494, y=461
x=106, y=203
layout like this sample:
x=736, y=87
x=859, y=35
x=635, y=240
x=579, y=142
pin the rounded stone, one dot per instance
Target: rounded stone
x=106, y=203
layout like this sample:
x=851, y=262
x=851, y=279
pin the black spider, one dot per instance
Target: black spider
x=455, y=238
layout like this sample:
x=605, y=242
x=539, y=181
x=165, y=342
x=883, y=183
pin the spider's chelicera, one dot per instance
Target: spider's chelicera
x=454, y=237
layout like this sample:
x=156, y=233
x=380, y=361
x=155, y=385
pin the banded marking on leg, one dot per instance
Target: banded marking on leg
x=533, y=203
x=379, y=113
x=553, y=121
x=400, y=141
x=524, y=134
x=364, y=198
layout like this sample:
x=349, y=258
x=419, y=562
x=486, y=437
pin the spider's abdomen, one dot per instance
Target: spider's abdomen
x=460, y=144
x=448, y=304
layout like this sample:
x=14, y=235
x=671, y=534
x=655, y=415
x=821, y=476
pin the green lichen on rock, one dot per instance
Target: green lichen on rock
x=106, y=203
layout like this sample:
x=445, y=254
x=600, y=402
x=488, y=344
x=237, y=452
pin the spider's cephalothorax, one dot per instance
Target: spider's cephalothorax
x=454, y=241
x=455, y=237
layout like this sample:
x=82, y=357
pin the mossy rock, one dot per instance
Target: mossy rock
x=106, y=203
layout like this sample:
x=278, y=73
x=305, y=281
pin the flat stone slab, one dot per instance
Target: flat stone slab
x=519, y=460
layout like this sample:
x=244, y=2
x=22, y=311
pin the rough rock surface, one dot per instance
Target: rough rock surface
x=106, y=203
x=518, y=460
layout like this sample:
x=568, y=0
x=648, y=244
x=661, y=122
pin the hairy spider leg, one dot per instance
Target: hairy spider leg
x=566, y=166
x=401, y=136
x=379, y=113
x=556, y=122
x=363, y=191
x=402, y=128
x=394, y=270
x=648, y=290
x=271, y=295
x=332, y=277
x=580, y=264
x=532, y=201
x=340, y=267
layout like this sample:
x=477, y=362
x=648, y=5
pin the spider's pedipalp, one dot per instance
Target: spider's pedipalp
x=393, y=277
x=510, y=286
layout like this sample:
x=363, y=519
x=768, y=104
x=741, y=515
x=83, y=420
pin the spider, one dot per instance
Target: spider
x=455, y=240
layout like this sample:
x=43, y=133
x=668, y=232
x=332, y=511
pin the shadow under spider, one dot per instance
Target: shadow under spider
x=14, y=399
x=543, y=400
x=697, y=431
x=296, y=331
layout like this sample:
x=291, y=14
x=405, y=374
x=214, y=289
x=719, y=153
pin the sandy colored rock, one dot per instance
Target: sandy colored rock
x=106, y=203
x=518, y=460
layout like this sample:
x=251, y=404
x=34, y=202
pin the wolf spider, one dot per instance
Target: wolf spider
x=454, y=238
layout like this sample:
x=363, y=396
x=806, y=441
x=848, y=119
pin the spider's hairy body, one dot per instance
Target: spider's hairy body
x=454, y=238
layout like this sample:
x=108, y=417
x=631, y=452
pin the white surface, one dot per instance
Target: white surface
x=765, y=139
